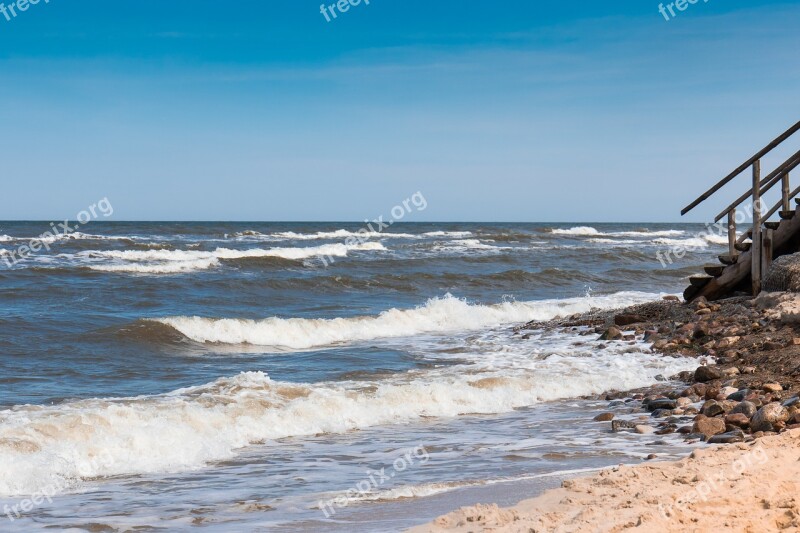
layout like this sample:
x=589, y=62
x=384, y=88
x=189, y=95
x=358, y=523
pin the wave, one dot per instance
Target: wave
x=579, y=230
x=41, y=446
x=438, y=315
x=588, y=231
x=346, y=234
x=178, y=261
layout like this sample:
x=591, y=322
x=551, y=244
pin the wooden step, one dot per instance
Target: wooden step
x=714, y=270
x=787, y=215
x=728, y=259
x=690, y=292
x=743, y=246
x=700, y=280
x=772, y=225
x=797, y=201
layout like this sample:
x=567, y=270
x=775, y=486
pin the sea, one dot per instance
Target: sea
x=164, y=376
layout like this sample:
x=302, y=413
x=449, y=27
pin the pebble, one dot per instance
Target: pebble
x=604, y=417
x=772, y=387
x=644, y=430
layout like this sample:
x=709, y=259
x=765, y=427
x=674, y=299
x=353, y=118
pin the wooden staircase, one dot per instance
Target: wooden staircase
x=750, y=255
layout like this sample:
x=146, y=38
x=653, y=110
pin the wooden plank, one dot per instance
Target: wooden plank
x=732, y=232
x=744, y=246
x=786, y=215
x=766, y=250
x=755, y=267
x=700, y=280
x=767, y=149
x=785, y=189
x=729, y=259
x=772, y=225
x=714, y=270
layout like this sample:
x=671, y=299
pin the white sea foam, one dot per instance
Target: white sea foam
x=438, y=315
x=588, y=231
x=342, y=234
x=177, y=261
x=190, y=428
x=578, y=230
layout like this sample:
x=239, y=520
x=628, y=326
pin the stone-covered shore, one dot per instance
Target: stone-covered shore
x=748, y=388
x=743, y=402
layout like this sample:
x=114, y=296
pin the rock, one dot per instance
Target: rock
x=771, y=417
x=772, y=387
x=749, y=370
x=739, y=395
x=604, y=417
x=627, y=320
x=671, y=298
x=712, y=408
x=728, y=391
x=731, y=372
x=661, y=403
x=611, y=334
x=651, y=335
x=783, y=275
x=791, y=402
x=708, y=426
x=727, y=438
x=770, y=346
x=651, y=457
x=683, y=402
x=796, y=341
x=703, y=312
x=619, y=425
x=727, y=342
x=644, y=430
x=739, y=420
x=705, y=374
x=746, y=408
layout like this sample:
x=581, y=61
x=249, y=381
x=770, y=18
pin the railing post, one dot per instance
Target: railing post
x=732, y=232
x=755, y=248
x=785, y=192
x=766, y=250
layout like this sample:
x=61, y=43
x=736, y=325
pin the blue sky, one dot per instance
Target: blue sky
x=512, y=111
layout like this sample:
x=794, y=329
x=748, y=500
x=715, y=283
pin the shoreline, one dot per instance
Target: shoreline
x=745, y=398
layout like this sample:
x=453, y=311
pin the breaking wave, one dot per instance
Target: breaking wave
x=438, y=315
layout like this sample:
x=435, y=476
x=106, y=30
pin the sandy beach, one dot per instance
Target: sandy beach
x=741, y=487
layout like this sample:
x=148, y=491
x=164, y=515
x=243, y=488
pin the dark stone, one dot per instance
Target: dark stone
x=791, y=401
x=739, y=396
x=604, y=417
x=727, y=438
x=627, y=320
x=662, y=413
x=661, y=403
x=705, y=374
x=712, y=408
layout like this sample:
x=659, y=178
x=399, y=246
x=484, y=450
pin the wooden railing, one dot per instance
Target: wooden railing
x=761, y=237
